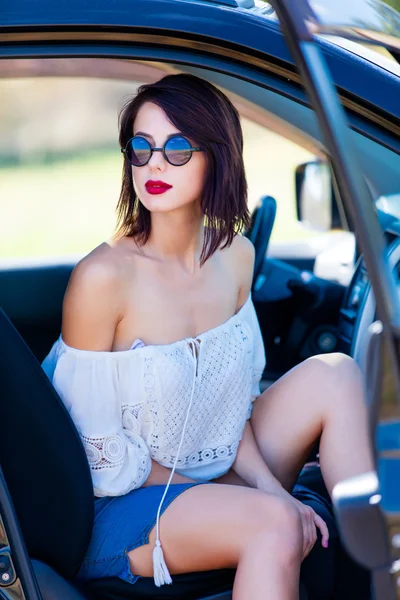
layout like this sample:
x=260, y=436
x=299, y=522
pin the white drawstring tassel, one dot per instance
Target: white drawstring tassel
x=161, y=573
x=160, y=570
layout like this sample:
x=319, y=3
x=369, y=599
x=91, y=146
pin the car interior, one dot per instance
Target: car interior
x=302, y=311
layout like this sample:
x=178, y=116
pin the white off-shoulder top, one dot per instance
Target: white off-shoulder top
x=182, y=404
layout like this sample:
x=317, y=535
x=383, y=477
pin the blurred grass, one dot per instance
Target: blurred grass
x=60, y=208
x=68, y=206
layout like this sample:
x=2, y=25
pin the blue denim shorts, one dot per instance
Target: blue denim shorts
x=121, y=524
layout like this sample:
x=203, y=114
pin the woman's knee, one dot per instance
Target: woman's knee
x=278, y=525
x=336, y=364
x=337, y=375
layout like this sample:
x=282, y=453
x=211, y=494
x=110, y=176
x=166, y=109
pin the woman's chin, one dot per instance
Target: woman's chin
x=159, y=205
x=162, y=204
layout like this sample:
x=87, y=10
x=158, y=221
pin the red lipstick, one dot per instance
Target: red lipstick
x=157, y=187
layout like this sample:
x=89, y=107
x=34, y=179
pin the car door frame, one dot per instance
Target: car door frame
x=26, y=41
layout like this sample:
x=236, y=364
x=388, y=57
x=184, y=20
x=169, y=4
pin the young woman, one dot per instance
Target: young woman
x=160, y=360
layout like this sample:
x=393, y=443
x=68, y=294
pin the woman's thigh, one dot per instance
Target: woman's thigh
x=289, y=417
x=208, y=526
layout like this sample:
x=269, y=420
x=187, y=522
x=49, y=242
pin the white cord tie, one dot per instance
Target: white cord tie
x=160, y=570
x=161, y=573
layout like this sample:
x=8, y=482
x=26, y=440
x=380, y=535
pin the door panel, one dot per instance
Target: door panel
x=32, y=298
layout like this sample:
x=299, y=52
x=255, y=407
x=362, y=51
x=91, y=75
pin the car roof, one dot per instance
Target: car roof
x=252, y=29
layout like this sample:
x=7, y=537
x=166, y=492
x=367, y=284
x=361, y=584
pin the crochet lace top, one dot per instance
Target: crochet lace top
x=182, y=404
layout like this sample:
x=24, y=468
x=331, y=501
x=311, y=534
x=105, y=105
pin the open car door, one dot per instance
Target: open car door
x=367, y=506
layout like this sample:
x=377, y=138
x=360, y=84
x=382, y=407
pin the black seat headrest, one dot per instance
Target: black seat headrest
x=43, y=459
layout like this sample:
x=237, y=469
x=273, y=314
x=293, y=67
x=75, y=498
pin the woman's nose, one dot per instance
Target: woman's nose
x=157, y=161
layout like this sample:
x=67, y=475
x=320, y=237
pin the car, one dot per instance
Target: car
x=283, y=81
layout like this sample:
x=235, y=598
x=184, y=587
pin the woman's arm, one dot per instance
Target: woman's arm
x=159, y=476
x=250, y=465
x=93, y=303
x=87, y=377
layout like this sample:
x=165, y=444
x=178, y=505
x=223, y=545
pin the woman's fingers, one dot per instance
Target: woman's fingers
x=312, y=529
x=310, y=521
x=305, y=537
x=306, y=544
x=309, y=529
x=322, y=526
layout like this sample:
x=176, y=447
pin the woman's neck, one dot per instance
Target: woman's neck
x=176, y=238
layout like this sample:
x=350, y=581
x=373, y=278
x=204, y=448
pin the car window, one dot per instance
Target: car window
x=61, y=164
x=271, y=160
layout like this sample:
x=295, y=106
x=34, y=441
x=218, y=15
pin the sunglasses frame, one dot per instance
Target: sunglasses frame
x=154, y=149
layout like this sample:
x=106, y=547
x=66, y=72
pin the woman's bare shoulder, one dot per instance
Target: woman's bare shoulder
x=243, y=248
x=240, y=258
x=97, y=271
x=93, y=300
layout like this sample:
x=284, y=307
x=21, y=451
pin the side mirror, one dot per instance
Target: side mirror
x=315, y=197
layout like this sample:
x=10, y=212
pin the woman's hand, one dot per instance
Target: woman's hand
x=310, y=522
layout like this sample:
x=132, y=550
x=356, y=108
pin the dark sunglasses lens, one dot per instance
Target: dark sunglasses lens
x=177, y=150
x=138, y=151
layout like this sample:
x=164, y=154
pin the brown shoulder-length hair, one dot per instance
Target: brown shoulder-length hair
x=205, y=115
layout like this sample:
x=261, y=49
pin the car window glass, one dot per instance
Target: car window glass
x=61, y=165
x=271, y=160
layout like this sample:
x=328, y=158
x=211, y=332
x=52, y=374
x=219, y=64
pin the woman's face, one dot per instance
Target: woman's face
x=186, y=181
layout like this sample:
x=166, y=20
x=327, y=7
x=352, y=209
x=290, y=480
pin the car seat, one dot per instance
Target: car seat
x=259, y=232
x=50, y=490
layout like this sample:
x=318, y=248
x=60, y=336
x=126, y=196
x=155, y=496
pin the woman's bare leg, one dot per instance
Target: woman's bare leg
x=219, y=526
x=323, y=396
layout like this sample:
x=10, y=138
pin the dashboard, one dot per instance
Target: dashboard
x=301, y=314
x=352, y=307
x=358, y=310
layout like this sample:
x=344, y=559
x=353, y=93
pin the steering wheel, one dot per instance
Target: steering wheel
x=259, y=232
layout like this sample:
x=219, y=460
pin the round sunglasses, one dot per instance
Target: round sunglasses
x=177, y=150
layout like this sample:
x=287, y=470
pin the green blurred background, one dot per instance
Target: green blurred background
x=394, y=3
x=60, y=162
x=61, y=165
